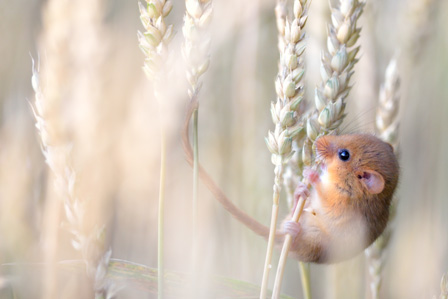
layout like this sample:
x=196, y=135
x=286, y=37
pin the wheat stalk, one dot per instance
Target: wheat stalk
x=154, y=44
x=195, y=50
x=387, y=129
x=89, y=31
x=336, y=70
x=57, y=157
x=49, y=95
x=293, y=169
x=288, y=107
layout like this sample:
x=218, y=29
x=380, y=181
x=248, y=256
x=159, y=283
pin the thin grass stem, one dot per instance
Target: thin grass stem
x=305, y=278
x=285, y=251
x=270, y=248
x=161, y=212
x=195, y=187
x=154, y=44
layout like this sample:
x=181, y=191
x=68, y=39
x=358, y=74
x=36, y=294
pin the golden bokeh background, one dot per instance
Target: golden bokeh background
x=111, y=119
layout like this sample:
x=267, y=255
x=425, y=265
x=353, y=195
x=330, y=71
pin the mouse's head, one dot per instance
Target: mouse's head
x=359, y=164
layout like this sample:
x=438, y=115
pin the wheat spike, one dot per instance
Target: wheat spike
x=287, y=109
x=387, y=129
x=52, y=85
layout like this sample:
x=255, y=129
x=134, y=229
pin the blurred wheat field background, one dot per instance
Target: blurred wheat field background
x=108, y=119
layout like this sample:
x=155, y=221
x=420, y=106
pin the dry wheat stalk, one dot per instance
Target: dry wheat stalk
x=52, y=89
x=336, y=70
x=154, y=44
x=57, y=157
x=195, y=51
x=387, y=129
x=88, y=60
x=287, y=109
x=55, y=43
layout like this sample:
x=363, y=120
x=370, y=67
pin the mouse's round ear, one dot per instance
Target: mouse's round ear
x=372, y=181
x=391, y=147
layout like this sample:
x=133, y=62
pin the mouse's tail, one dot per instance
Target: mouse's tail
x=244, y=218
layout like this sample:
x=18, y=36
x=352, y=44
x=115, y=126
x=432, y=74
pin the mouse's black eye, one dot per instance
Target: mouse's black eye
x=344, y=154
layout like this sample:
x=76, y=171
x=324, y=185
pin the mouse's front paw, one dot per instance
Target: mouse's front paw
x=301, y=191
x=293, y=229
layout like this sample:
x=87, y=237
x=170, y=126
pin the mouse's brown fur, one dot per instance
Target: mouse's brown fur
x=348, y=207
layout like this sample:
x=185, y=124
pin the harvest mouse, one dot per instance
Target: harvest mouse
x=348, y=205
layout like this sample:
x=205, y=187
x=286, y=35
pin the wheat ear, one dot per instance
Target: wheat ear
x=54, y=45
x=387, y=129
x=336, y=70
x=286, y=110
x=154, y=44
x=57, y=157
x=49, y=95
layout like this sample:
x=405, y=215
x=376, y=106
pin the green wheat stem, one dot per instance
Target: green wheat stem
x=195, y=186
x=196, y=53
x=161, y=212
x=154, y=44
x=305, y=278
